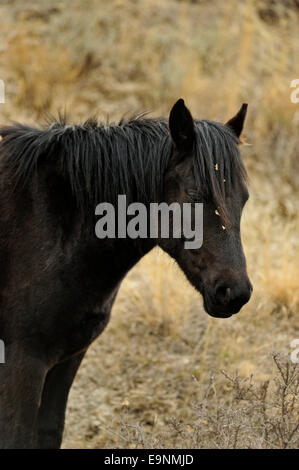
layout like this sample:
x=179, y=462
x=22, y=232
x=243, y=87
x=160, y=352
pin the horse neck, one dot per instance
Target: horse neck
x=122, y=254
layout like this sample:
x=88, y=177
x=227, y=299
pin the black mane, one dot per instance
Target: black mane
x=102, y=161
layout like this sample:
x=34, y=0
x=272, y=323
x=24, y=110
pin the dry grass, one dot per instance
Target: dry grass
x=154, y=378
x=263, y=416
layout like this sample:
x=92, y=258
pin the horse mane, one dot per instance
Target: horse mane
x=131, y=157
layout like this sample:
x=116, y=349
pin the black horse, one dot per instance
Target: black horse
x=58, y=281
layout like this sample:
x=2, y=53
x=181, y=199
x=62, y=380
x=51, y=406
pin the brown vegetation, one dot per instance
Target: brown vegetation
x=159, y=380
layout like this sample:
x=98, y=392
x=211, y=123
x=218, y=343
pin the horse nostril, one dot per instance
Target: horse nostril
x=227, y=295
x=223, y=294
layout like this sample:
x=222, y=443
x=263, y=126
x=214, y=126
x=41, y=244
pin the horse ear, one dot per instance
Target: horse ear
x=237, y=122
x=181, y=126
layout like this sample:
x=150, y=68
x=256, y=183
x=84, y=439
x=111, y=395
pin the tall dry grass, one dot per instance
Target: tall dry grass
x=124, y=56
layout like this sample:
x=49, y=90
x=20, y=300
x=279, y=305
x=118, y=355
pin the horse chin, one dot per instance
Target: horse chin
x=219, y=314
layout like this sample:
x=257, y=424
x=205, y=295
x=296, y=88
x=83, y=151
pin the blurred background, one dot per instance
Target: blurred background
x=164, y=374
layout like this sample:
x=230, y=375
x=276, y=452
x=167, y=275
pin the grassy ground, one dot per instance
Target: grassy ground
x=164, y=373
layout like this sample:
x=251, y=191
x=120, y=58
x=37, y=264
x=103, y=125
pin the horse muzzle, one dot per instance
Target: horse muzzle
x=225, y=300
